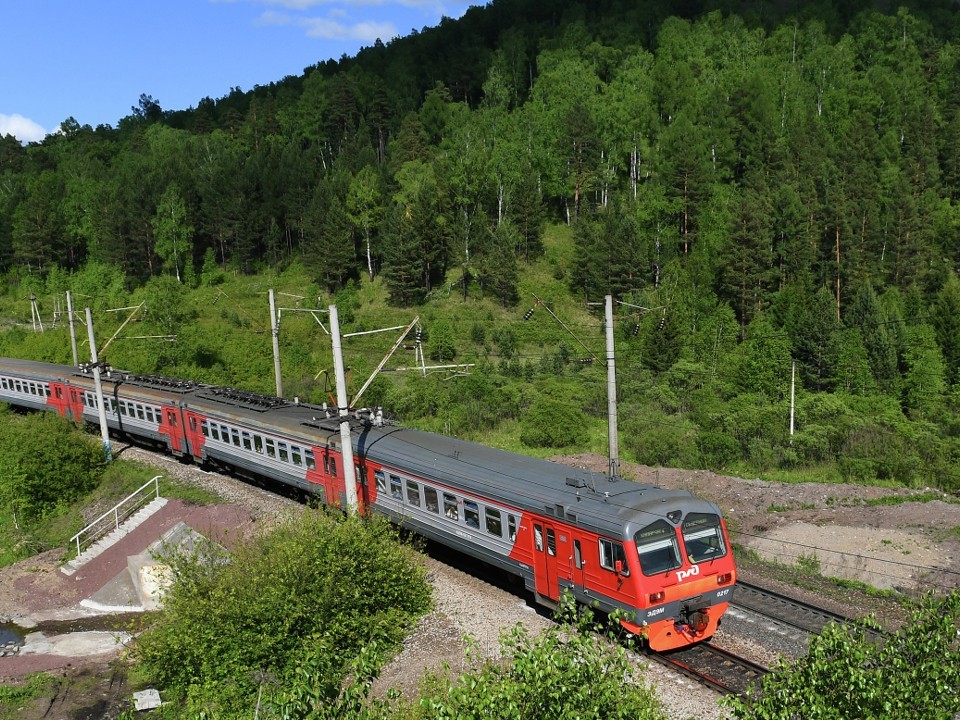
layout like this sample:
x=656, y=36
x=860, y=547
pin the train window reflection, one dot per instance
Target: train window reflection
x=657, y=548
x=396, y=487
x=702, y=537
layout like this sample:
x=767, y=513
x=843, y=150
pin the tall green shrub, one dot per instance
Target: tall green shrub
x=318, y=582
x=45, y=462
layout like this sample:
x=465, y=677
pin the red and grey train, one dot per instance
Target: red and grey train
x=662, y=557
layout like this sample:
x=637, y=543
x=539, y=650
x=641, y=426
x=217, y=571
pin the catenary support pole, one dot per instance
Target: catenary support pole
x=73, y=331
x=346, y=442
x=275, y=333
x=614, y=469
x=101, y=407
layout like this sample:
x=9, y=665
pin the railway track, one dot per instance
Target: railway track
x=787, y=610
x=728, y=673
x=714, y=667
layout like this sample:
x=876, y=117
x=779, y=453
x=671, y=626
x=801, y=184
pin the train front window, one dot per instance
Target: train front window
x=657, y=548
x=702, y=537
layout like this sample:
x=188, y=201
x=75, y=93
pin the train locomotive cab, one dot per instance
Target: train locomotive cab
x=686, y=576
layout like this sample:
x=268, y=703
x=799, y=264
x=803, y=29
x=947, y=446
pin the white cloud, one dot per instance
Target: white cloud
x=364, y=31
x=274, y=18
x=24, y=129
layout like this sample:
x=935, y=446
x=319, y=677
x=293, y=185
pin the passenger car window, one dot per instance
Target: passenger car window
x=431, y=499
x=471, y=513
x=493, y=522
x=413, y=493
x=450, y=508
x=396, y=487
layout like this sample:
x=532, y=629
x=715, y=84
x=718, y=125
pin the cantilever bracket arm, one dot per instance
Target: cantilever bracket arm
x=353, y=403
x=122, y=326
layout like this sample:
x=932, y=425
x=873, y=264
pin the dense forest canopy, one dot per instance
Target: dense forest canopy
x=782, y=178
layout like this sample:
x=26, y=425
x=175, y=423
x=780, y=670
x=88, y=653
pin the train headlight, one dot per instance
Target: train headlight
x=656, y=597
x=724, y=578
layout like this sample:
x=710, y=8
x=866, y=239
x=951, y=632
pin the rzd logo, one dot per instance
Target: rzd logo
x=684, y=574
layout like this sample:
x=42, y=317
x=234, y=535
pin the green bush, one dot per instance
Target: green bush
x=569, y=671
x=913, y=675
x=551, y=423
x=717, y=451
x=45, y=463
x=320, y=580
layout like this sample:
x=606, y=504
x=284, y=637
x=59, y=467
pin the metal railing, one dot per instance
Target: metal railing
x=112, y=518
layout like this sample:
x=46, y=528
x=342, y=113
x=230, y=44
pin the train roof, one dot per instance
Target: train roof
x=586, y=498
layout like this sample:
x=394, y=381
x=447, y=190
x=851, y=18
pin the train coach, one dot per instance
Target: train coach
x=662, y=557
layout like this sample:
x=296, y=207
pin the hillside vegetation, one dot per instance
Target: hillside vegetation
x=757, y=186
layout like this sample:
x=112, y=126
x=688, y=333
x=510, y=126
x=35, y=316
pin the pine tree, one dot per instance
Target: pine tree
x=945, y=318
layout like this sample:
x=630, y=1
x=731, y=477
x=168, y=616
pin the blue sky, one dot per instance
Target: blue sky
x=91, y=59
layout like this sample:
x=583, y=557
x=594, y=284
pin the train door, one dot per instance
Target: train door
x=74, y=402
x=171, y=428
x=545, y=559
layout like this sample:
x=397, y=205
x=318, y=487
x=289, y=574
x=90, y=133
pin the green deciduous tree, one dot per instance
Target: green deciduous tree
x=174, y=233
x=365, y=207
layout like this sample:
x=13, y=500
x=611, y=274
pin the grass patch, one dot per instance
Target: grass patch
x=806, y=574
x=14, y=697
x=821, y=474
x=919, y=498
x=787, y=508
x=120, y=479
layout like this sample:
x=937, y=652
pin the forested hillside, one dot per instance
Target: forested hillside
x=759, y=183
